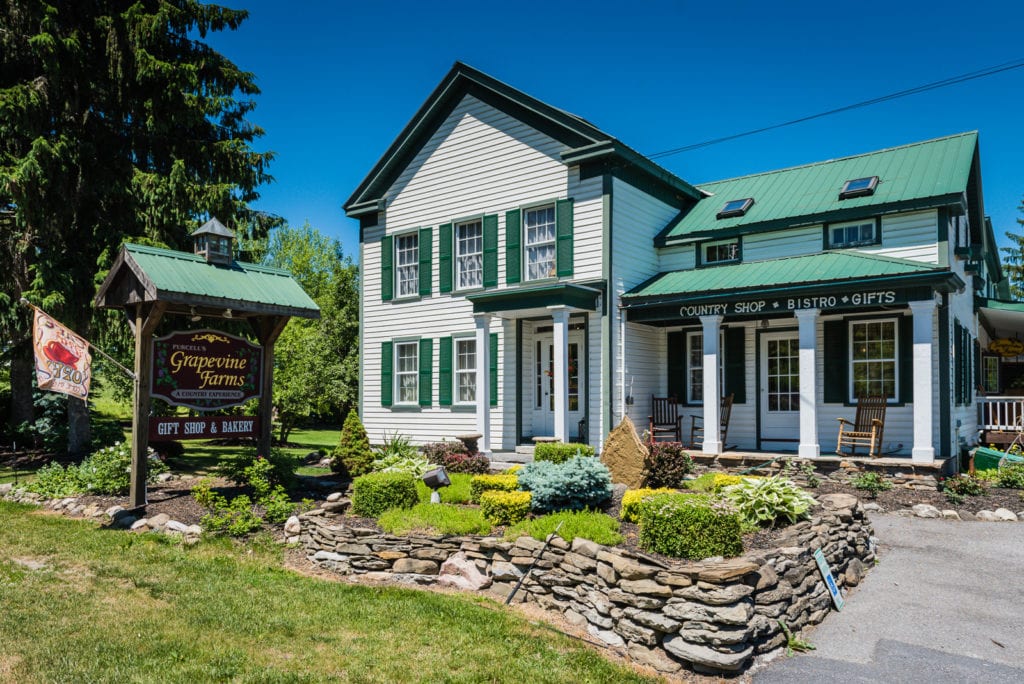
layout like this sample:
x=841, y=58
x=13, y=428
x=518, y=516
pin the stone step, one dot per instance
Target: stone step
x=513, y=456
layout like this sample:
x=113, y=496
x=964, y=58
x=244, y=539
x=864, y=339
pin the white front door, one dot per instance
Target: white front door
x=780, y=390
x=544, y=384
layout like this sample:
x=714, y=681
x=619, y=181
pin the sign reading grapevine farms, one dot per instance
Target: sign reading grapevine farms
x=205, y=369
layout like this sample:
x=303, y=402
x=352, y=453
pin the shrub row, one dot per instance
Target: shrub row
x=558, y=452
x=502, y=482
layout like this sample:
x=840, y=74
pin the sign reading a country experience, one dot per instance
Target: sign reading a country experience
x=205, y=369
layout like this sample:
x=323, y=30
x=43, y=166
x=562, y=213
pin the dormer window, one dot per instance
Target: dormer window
x=859, y=187
x=737, y=207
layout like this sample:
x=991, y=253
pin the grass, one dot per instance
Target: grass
x=597, y=527
x=455, y=493
x=431, y=518
x=220, y=611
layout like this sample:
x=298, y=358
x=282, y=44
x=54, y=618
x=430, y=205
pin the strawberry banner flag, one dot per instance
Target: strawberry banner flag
x=63, y=362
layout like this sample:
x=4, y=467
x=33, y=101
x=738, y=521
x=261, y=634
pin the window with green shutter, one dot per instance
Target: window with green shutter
x=387, y=276
x=444, y=257
x=836, y=362
x=426, y=245
x=490, y=250
x=513, y=253
x=386, y=377
x=493, y=370
x=736, y=365
x=564, y=229
x=444, y=371
x=426, y=372
x=676, y=366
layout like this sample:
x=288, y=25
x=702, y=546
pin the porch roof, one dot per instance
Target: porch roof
x=1000, y=317
x=539, y=297
x=789, y=276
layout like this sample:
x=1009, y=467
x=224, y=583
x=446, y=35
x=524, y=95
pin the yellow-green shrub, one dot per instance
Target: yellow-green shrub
x=484, y=483
x=505, y=508
x=632, y=499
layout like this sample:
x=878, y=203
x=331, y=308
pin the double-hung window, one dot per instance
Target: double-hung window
x=407, y=259
x=465, y=370
x=873, y=365
x=539, y=231
x=469, y=251
x=853, y=234
x=407, y=372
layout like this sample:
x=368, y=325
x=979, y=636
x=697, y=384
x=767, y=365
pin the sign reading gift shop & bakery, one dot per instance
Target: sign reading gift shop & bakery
x=205, y=369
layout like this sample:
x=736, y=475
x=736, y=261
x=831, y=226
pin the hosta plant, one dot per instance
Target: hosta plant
x=767, y=500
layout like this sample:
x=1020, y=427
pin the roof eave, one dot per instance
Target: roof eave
x=615, y=150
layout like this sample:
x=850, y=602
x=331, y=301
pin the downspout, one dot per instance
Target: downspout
x=622, y=362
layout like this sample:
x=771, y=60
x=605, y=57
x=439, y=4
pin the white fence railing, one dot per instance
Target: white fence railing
x=1001, y=413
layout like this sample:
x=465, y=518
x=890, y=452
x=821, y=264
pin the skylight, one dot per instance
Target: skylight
x=859, y=187
x=737, y=207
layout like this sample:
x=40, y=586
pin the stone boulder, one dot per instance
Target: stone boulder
x=624, y=454
x=461, y=572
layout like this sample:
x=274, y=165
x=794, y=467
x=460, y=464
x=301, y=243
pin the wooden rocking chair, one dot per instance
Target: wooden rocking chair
x=866, y=429
x=697, y=423
x=665, y=419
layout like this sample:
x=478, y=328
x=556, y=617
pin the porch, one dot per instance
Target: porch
x=1000, y=420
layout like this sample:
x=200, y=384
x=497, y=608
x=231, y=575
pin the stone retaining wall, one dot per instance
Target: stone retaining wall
x=712, y=615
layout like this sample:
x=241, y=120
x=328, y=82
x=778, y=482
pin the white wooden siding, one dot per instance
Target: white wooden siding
x=679, y=258
x=912, y=236
x=782, y=243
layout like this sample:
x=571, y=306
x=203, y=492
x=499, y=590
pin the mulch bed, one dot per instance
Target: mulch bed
x=899, y=497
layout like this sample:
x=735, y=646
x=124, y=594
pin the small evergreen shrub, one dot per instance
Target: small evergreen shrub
x=690, y=526
x=632, y=499
x=352, y=456
x=557, y=452
x=597, y=527
x=767, y=500
x=1011, y=476
x=581, y=482
x=427, y=518
x=667, y=465
x=505, y=508
x=374, y=493
x=457, y=492
x=456, y=458
x=281, y=472
x=483, y=483
x=872, y=483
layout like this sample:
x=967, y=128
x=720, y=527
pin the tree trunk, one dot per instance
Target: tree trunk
x=21, y=385
x=78, y=427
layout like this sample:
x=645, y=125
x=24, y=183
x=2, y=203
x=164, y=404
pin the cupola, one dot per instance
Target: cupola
x=214, y=242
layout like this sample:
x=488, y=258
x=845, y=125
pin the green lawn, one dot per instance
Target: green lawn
x=103, y=606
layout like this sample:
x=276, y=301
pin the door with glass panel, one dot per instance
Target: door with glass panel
x=780, y=389
x=544, y=384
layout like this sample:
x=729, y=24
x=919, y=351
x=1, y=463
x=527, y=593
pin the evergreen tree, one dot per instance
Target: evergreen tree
x=116, y=122
x=1013, y=260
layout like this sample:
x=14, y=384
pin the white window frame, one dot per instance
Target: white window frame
x=895, y=359
x=412, y=268
x=458, y=373
x=699, y=335
x=397, y=374
x=859, y=242
x=735, y=257
x=466, y=258
x=552, y=272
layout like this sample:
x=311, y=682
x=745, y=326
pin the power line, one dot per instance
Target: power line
x=970, y=76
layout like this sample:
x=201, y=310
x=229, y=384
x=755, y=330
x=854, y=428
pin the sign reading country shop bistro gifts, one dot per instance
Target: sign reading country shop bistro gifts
x=205, y=369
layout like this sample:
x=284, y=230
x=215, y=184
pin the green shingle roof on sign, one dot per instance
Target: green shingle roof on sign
x=183, y=273
x=919, y=171
x=812, y=268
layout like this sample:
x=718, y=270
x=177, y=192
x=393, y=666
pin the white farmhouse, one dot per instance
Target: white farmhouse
x=525, y=274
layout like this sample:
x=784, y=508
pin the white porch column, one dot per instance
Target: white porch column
x=561, y=370
x=808, y=320
x=712, y=400
x=923, y=313
x=483, y=383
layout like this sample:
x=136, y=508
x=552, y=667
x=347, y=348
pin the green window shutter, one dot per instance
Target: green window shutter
x=444, y=257
x=905, y=332
x=563, y=231
x=490, y=229
x=493, y=369
x=387, y=276
x=386, y=365
x=426, y=246
x=426, y=371
x=736, y=364
x=513, y=250
x=677, y=365
x=958, y=363
x=837, y=362
x=444, y=371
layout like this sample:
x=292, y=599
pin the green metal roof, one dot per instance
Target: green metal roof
x=826, y=268
x=177, y=275
x=555, y=294
x=916, y=176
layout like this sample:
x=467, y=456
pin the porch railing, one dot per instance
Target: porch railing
x=1001, y=413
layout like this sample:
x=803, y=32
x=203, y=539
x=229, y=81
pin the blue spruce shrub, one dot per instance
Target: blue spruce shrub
x=581, y=482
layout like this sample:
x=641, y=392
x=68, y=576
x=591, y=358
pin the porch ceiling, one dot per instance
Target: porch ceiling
x=1003, y=319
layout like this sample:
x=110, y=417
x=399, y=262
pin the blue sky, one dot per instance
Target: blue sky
x=339, y=80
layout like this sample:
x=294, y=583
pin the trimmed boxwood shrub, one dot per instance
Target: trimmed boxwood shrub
x=632, y=499
x=581, y=482
x=557, y=452
x=502, y=482
x=456, y=458
x=505, y=508
x=667, y=465
x=693, y=526
x=374, y=493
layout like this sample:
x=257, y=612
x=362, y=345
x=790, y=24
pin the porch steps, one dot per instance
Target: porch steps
x=503, y=460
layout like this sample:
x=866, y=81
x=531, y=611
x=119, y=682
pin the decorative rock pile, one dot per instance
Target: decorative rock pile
x=713, y=615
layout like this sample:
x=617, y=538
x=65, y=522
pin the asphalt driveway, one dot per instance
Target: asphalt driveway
x=945, y=604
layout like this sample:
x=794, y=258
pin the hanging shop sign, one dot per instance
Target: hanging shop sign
x=205, y=369
x=1007, y=347
x=202, y=427
x=782, y=304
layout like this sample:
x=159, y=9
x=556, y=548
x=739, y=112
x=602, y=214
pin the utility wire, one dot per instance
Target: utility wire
x=970, y=76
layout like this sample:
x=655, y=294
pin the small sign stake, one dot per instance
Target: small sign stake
x=830, y=582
